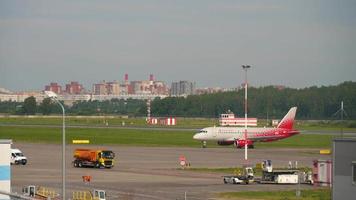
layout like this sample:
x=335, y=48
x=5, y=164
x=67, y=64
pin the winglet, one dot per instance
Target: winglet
x=288, y=120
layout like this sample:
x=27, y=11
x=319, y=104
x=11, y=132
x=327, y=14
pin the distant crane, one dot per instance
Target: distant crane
x=342, y=113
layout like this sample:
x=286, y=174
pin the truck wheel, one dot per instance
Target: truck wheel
x=23, y=162
x=75, y=164
x=233, y=181
x=80, y=164
x=225, y=182
x=97, y=165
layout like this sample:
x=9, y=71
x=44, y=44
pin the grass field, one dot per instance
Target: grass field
x=140, y=121
x=134, y=137
x=102, y=121
x=101, y=136
x=318, y=194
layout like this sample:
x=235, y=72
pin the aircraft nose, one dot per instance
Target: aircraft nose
x=196, y=136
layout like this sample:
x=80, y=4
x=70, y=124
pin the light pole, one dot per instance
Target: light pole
x=246, y=67
x=53, y=96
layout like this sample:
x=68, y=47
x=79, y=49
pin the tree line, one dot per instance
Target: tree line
x=47, y=106
x=263, y=102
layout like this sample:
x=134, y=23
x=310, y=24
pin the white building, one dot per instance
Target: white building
x=229, y=119
x=70, y=98
x=21, y=96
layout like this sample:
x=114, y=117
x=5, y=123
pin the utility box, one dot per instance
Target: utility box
x=5, y=170
x=322, y=172
x=344, y=162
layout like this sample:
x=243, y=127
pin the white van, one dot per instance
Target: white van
x=17, y=157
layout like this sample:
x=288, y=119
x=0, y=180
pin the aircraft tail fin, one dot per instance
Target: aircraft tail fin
x=288, y=120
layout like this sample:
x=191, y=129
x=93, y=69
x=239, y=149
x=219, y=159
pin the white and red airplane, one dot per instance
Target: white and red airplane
x=236, y=135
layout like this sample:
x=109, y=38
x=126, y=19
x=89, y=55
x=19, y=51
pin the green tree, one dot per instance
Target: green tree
x=312, y=102
x=12, y=107
x=29, y=106
x=46, y=106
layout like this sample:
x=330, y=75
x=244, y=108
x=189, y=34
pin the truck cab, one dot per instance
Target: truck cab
x=17, y=157
x=99, y=194
x=106, y=159
x=267, y=166
x=29, y=191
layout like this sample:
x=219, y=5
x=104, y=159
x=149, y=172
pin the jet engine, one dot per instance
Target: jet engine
x=225, y=143
x=241, y=144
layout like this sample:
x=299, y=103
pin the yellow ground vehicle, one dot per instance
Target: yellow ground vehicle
x=93, y=158
x=39, y=192
x=87, y=195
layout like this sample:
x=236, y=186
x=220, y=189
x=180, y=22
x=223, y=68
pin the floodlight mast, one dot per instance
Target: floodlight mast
x=54, y=96
x=245, y=68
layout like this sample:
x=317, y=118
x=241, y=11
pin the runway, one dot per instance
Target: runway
x=151, y=172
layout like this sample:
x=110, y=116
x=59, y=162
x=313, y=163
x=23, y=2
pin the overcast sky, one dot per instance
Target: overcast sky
x=292, y=43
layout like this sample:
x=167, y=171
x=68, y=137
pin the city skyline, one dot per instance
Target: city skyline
x=292, y=43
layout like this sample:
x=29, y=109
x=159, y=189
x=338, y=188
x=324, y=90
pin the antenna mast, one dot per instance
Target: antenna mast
x=342, y=113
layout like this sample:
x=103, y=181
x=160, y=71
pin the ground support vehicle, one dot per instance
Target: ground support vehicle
x=282, y=176
x=246, y=177
x=87, y=195
x=93, y=158
x=39, y=192
x=17, y=157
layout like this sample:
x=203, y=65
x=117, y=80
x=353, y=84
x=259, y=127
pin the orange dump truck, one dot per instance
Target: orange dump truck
x=93, y=158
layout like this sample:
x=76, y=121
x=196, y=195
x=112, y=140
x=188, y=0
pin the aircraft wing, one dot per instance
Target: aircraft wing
x=231, y=139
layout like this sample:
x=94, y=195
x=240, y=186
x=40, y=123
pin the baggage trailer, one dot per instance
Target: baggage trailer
x=88, y=195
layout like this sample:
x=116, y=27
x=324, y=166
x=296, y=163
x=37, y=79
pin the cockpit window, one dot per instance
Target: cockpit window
x=203, y=131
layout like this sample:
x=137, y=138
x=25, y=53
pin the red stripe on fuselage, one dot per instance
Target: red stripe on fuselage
x=274, y=134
